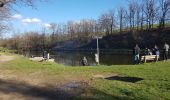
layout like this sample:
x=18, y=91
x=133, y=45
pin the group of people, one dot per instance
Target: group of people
x=154, y=51
x=137, y=52
x=84, y=61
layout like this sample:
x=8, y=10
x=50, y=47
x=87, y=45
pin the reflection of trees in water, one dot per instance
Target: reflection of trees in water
x=70, y=58
x=74, y=58
x=111, y=59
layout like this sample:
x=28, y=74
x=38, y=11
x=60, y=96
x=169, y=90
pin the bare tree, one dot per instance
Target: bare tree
x=141, y=15
x=131, y=15
x=6, y=8
x=71, y=29
x=20, y=2
x=112, y=21
x=164, y=10
x=122, y=16
x=53, y=28
x=108, y=22
x=4, y=17
x=150, y=12
x=104, y=21
x=138, y=14
x=133, y=12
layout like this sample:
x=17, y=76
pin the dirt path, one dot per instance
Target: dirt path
x=30, y=87
x=14, y=90
x=5, y=58
x=36, y=86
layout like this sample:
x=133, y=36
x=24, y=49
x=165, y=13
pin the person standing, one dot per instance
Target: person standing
x=44, y=53
x=97, y=59
x=84, y=61
x=165, y=51
x=136, y=53
x=157, y=52
x=146, y=51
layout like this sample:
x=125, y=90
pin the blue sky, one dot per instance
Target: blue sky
x=61, y=11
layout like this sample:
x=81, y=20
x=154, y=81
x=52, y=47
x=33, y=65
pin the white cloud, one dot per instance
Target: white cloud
x=17, y=16
x=33, y=20
x=36, y=20
x=27, y=20
x=47, y=25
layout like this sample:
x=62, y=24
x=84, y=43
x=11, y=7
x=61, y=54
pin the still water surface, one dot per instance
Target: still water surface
x=74, y=58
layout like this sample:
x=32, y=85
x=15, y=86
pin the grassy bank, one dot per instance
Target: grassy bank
x=117, y=82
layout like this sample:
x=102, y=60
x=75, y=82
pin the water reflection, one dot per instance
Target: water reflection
x=74, y=58
x=113, y=59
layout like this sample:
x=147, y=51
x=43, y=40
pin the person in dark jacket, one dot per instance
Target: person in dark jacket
x=146, y=51
x=136, y=53
x=166, y=51
x=84, y=61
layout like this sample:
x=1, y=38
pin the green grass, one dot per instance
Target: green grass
x=154, y=86
x=6, y=51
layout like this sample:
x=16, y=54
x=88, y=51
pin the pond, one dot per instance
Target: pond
x=74, y=58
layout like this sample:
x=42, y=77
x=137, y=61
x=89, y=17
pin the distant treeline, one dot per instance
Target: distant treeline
x=126, y=26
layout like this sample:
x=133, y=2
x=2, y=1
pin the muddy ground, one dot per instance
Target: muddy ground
x=34, y=87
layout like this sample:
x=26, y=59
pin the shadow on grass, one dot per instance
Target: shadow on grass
x=32, y=91
x=52, y=93
x=125, y=79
